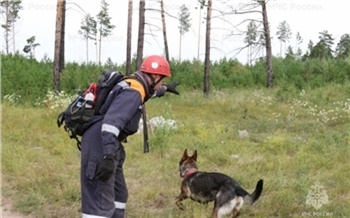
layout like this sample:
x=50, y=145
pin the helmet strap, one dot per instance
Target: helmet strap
x=153, y=84
x=158, y=81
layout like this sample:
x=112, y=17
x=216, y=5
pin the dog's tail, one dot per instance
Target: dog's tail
x=251, y=198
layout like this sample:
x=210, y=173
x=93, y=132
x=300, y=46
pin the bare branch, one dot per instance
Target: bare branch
x=151, y=34
x=165, y=12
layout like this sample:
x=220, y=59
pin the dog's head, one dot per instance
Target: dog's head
x=187, y=164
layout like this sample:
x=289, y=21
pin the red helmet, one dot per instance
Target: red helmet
x=155, y=64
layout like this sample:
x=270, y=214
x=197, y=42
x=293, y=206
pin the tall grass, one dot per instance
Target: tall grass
x=296, y=139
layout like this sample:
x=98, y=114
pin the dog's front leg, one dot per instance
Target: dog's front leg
x=178, y=201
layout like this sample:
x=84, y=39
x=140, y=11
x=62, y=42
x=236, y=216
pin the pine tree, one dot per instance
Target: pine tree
x=184, y=24
x=250, y=39
x=284, y=33
x=88, y=29
x=10, y=9
x=323, y=48
x=343, y=47
x=105, y=26
x=30, y=48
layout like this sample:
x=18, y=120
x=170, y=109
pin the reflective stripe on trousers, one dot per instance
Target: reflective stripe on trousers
x=118, y=205
x=92, y=216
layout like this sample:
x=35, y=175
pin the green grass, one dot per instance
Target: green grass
x=295, y=140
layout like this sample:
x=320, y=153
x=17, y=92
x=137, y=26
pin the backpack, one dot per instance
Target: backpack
x=83, y=111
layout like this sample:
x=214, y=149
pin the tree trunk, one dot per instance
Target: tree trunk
x=7, y=27
x=207, y=51
x=199, y=31
x=87, y=50
x=180, y=47
x=58, y=63
x=128, y=42
x=99, y=50
x=141, y=35
x=166, y=49
x=96, y=47
x=268, y=46
x=13, y=38
x=281, y=48
x=248, y=61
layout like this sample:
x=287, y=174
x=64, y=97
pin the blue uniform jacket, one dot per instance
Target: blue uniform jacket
x=122, y=113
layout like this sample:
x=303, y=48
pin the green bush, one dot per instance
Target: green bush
x=27, y=79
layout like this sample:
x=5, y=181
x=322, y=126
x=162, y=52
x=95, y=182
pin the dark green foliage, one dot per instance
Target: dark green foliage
x=76, y=77
x=25, y=77
x=258, y=72
x=190, y=74
x=288, y=71
x=230, y=73
x=32, y=79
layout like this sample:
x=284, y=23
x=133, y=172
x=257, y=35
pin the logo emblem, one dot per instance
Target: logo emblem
x=154, y=65
x=317, y=196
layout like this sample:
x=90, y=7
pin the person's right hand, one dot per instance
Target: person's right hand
x=171, y=87
x=105, y=168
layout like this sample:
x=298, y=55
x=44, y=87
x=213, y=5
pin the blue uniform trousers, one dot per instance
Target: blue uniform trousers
x=101, y=199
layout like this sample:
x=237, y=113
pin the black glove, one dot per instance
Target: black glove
x=105, y=169
x=171, y=87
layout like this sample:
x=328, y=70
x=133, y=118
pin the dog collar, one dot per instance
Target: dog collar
x=189, y=172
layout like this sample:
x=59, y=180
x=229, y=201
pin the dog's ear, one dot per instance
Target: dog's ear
x=185, y=155
x=194, y=156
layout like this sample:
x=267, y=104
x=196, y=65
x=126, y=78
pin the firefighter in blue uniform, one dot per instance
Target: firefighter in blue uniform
x=103, y=187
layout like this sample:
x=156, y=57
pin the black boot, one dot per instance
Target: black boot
x=119, y=213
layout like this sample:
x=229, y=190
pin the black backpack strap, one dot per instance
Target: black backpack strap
x=108, y=88
x=73, y=135
x=78, y=143
x=60, y=119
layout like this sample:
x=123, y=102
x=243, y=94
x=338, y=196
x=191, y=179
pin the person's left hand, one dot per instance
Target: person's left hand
x=105, y=168
x=171, y=87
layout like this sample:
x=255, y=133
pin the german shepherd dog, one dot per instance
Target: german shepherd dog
x=204, y=187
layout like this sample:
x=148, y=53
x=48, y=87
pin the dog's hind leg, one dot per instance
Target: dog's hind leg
x=215, y=210
x=239, y=204
x=235, y=213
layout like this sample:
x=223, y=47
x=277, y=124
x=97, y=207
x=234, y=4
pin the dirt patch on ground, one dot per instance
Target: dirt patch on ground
x=7, y=210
